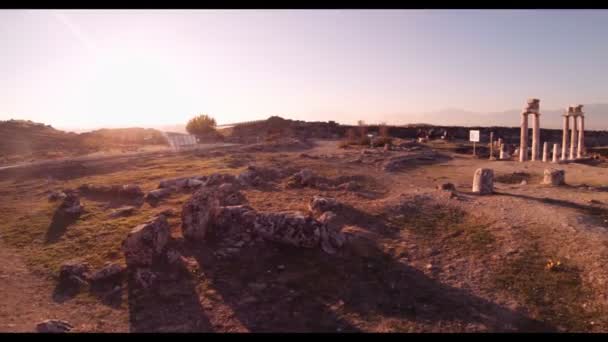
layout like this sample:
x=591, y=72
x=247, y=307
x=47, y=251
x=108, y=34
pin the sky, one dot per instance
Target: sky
x=122, y=68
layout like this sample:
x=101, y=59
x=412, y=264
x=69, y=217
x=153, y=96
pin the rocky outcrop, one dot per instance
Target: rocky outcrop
x=146, y=242
x=198, y=213
x=331, y=232
x=110, y=273
x=228, y=195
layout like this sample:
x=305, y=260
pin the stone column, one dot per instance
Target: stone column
x=535, y=136
x=501, y=155
x=581, y=137
x=573, y=137
x=545, y=151
x=523, y=138
x=565, y=135
x=491, y=145
x=483, y=181
x=555, y=149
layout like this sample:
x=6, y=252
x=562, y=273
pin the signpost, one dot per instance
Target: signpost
x=474, y=137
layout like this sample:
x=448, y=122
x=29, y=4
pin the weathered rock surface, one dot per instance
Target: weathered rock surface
x=146, y=242
x=255, y=176
x=292, y=228
x=198, y=213
x=53, y=326
x=446, y=187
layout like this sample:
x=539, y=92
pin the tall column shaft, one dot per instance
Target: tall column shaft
x=573, y=138
x=565, y=136
x=535, y=137
x=555, y=149
x=581, y=137
x=523, y=138
x=545, y=151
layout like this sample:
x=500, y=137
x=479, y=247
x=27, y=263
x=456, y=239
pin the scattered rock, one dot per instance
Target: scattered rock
x=524, y=182
x=53, y=326
x=146, y=242
x=194, y=183
x=198, y=213
x=123, y=211
x=158, y=194
x=350, y=186
x=319, y=205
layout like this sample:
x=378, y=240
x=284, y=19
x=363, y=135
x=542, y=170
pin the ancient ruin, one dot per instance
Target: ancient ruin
x=577, y=142
x=532, y=107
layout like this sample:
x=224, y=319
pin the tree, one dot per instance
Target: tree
x=201, y=125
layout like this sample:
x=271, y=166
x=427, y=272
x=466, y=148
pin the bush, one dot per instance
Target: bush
x=201, y=125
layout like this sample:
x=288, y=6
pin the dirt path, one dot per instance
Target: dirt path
x=27, y=300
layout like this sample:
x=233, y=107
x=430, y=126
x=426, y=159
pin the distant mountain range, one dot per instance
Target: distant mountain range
x=596, y=118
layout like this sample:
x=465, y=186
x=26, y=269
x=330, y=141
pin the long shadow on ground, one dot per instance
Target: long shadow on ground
x=170, y=304
x=279, y=288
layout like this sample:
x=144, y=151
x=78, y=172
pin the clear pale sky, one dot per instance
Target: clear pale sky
x=90, y=68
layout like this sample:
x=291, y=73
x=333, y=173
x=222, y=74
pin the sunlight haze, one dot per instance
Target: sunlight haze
x=110, y=68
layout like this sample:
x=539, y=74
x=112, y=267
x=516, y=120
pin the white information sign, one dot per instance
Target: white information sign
x=474, y=136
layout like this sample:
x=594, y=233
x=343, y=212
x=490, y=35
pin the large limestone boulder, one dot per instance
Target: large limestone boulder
x=146, y=242
x=198, y=213
x=483, y=181
x=554, y=177
x=291, y=228
x=219, y=178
